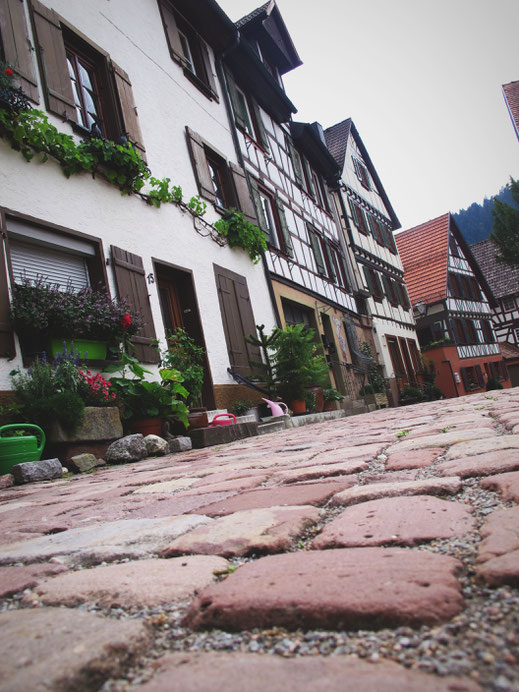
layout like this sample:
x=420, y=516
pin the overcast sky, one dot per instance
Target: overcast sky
x=422, y=81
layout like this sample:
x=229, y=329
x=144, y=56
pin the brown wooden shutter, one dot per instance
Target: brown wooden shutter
x=285, y=231
x=296, y=161
x=259, y=209
x=316, y=247
x=53, y=61
x=201, y=169
x=131, y=285
x=243, y=193
x=7, y=349
x=237, y=318
x=261, y=131
x=240, y=114
x=129, y=115
x=208, y=68
x=331, y=269
x=479, y=375
x=465, y=378
x=17, y=46
x=170, y=27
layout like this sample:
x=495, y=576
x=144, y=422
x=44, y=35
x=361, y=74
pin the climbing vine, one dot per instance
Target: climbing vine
x=30, y=132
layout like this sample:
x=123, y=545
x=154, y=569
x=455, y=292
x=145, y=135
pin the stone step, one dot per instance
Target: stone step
x=273, y=425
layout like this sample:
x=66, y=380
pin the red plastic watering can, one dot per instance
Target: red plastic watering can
x=223, y=419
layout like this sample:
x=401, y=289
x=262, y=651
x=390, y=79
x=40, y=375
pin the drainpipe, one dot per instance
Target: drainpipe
x=452, y=375
x=228, y=107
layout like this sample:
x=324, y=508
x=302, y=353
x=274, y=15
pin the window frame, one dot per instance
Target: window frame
x=362, y=173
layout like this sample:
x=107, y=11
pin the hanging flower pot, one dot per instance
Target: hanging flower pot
x=89, y=349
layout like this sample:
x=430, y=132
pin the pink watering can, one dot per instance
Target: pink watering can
x=276, y=407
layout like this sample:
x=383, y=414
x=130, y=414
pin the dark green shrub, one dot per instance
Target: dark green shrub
x=493, y=384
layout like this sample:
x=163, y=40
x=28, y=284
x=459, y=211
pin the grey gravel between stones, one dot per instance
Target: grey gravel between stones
x=482, y=642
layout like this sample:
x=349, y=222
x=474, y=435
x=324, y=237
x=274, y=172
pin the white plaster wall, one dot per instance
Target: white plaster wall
x=133, y=35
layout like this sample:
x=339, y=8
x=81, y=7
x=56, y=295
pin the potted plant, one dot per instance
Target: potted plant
x=182, y=354
x=410, y=395
x=241, y=408
x=297, y=364
x=145, y=404
x=331, y=396
x=12, y=98
x=87, y=320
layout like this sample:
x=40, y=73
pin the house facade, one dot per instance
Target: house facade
x=147, y=72
x=453, y=307
x=289, y=169
x=504, y=283
x=369, y=221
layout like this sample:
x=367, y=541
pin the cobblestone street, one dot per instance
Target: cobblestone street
x=374, y=552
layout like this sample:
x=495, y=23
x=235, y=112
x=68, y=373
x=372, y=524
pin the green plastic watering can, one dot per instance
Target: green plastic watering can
x=19, y=448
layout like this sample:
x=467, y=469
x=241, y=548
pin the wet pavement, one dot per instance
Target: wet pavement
x=381, y=549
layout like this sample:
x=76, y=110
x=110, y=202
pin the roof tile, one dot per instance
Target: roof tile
x=336, y=138
x=511, y=94
x=502, y=279
x=424, y=251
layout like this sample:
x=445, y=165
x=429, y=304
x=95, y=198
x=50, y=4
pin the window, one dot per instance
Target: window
x=188, y=48
x=488, y=332
x=362, y=173
x=464, y=331
x=328, y=259
x=396, y=356
x=340, y=267
x=222, y=183
x=296, y=161
x=272, y=219
x=472, y=378
x=373, y=282
x=508, y=303
x=81, y=83
x=497, y=370
x=298, y=314
x=247, y=114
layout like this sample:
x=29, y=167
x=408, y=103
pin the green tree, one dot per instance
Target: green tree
x=505, y=233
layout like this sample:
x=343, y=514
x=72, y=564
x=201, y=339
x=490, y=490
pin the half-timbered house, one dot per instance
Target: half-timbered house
x=369, y=221
x=289, y=168
x=453, y=305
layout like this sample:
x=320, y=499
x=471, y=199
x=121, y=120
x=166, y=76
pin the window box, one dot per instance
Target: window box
x=88, y=349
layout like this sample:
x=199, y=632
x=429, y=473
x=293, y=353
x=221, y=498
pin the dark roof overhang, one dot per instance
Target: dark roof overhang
x=211, y=22
x=249, y=72
x=308, y=139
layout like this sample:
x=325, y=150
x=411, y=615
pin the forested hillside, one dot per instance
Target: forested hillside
x=476, y=221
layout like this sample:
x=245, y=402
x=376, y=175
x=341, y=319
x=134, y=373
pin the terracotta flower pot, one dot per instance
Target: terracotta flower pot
x=197, y=418
x=298, y=406
x=146, y=426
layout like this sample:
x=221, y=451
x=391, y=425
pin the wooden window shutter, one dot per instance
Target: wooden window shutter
x=406, y=303
x=316, y=247
x=170, y=27
x=17, y=47
x=53, y=61
x=129, y=115
x=354, y=213
x=309, y=183
x=262, y=133
x=199, y=160
x=7, y=349
x=329, y=256
x=388, y=290
x=369, y=280
x=131, y=285
x=284, y=228
x=259, y=209
x=208, y=68
x=377, y=283
x=243, y=195
x=237, y=318
x=240, y=115
x=296, y=161
x=465, y=378
x=363, y=227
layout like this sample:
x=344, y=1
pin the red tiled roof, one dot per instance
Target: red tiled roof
x=424, y=251
x=509, y=351
x=511, y=94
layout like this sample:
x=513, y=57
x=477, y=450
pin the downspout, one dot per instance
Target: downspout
x=221, y=76
x=452, y=375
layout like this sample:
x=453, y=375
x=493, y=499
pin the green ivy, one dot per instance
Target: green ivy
x=242, y=233
x=30, y=132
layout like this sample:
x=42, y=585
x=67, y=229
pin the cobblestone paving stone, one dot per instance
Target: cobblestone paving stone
x=322, y=613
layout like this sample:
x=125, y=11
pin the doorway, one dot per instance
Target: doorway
x=179, y=308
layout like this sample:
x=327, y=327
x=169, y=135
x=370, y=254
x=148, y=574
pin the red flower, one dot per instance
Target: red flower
x=8, y=72
x=126, y=321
